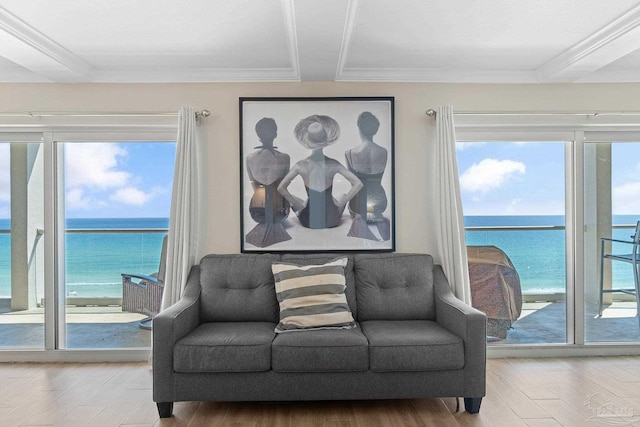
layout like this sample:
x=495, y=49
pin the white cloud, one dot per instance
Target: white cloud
x=95, y=165
x=131, y=196
x=95, y=174
x=489, y=174
x=626, y=199
x=5, y=183
x=75, y=199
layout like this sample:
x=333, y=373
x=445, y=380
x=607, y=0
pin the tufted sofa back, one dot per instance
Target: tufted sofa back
x=394, y=287
x=238, y=288
x=379, y=286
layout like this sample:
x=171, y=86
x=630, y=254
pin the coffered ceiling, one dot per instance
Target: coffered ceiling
x=328, y=40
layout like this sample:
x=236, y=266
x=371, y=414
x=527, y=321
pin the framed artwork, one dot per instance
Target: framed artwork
x=317, y=174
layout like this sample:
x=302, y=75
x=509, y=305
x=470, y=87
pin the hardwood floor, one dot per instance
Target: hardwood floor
x=571, y=392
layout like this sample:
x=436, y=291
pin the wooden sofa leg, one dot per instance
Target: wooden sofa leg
x=165, y=409
x=472, y=404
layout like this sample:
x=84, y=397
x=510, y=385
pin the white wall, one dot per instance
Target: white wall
x=414, y=130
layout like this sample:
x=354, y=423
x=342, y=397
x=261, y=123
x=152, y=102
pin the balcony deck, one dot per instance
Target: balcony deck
x=545, y=322
x=109, y=327
x=87, y=327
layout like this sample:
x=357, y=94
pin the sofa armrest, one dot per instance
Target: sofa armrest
x=468, y=323
x=169, y=326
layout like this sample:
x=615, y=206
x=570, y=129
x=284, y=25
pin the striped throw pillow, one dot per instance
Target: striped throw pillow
x=312, y=296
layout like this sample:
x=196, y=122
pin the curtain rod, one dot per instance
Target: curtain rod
x=203, y=113
x=432, y=113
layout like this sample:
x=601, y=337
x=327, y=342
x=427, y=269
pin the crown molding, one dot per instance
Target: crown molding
x=46, y=50
x=615, y=40
x=292, y=41
x=435, y=75
x=350, y=22
x=608, y=76
x=196, y=75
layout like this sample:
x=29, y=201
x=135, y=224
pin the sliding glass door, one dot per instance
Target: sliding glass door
x=81, y=214
x=539, y=216
x=611, y=210
x=117, y=197
x=513, y=196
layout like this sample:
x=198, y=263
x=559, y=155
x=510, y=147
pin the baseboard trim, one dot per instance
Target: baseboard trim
x=76, y=356
x=563, y=350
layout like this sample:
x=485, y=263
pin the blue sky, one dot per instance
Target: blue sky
x=625, y=178
x=109, y=180
x=124, y=180
x=506, y=178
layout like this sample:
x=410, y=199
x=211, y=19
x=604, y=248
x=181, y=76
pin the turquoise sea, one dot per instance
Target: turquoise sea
x=539, y=255
x=95, y=260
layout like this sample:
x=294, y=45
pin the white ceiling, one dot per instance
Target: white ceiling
x=327, y=40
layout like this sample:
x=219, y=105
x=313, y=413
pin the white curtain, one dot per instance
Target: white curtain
x=450, y=239
x=182, y=243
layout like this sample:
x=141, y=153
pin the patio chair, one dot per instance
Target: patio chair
x=632, y=258
x=144, y=294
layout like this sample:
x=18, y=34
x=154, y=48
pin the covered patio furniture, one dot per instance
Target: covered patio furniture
x=143, y=293
x=495, y=288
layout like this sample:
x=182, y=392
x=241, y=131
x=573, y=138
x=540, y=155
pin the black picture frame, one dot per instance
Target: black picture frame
x=298, y=160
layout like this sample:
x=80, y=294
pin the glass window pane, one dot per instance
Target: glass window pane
x=117, y=201
x=513, y=197
x=611, y=211
x=21, y=245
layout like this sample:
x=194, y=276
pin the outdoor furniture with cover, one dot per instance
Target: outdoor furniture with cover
x=495, y=288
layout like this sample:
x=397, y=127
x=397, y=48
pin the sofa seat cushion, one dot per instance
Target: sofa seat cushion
x=412, y=345
x=225, y=347
x=323, y=350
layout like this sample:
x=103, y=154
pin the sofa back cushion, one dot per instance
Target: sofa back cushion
x=322, y=258
x=238, y=288
x=394, y=286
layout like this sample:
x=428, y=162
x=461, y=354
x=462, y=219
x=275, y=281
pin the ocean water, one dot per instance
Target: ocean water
x=539, y=256
x=94, y=261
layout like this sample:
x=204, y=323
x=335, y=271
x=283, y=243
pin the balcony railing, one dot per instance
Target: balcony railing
x=94, y=253
x=116, y=230
x=532, y=268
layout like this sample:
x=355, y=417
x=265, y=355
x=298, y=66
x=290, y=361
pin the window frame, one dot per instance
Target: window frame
x=52, y=136
x=576, y=130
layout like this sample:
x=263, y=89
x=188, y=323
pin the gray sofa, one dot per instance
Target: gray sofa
x=414, y=338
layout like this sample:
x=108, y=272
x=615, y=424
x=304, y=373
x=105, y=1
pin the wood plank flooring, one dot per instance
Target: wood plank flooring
x=570, y=392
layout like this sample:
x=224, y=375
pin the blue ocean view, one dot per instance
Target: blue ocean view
x=539, y=255
x=94, y=261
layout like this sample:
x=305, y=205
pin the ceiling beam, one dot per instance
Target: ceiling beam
x=31, y=49
x=612, y=42
x=319, y=34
